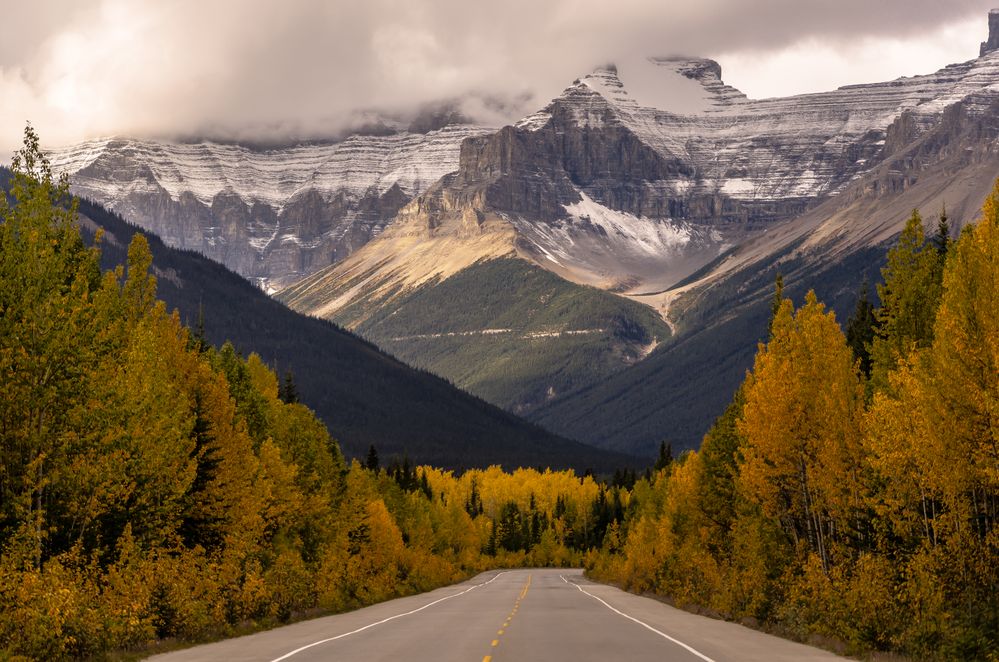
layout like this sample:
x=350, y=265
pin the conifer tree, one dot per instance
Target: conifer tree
x=665, y=457
x=910, y=295
x=775, y=301
x=289, y=392
x=942, y=239
x=371, y=462
x=860, y=329
x=719, y=455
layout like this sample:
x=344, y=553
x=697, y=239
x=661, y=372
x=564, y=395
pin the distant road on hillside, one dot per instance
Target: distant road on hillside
x=521, y=615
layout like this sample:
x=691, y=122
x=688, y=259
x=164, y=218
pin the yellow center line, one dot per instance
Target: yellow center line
x=523, y=593
x=506, y=624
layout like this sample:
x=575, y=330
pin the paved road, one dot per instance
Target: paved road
x=516, y=616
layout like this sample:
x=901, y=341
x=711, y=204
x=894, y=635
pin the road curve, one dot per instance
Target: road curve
x=517, y=616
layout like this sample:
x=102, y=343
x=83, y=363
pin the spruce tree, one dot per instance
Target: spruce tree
x=371, y=462
x=860, y=329
x=775, y=302
x=665, y=456
x=289, y=392
x=942, y=240
x=910, y=296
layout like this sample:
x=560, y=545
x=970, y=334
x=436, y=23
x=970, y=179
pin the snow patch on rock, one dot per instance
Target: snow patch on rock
x=652, y=236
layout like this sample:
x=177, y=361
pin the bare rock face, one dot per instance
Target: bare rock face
x=633, y=178
x=992, y=43
x=634, y=186
x=272, y=215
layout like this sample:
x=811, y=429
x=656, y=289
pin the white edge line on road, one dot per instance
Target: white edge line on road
x=385, y=620
x=643, y=624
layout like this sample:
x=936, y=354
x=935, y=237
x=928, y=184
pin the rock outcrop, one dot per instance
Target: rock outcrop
x=273, y=215
x=632, y=179
x=992, y=43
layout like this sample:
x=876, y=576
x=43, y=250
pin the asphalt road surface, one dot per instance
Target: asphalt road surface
x=517, y=616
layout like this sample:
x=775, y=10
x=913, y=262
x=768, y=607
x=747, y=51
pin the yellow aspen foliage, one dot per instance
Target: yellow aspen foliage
x=801, y=421
x=283, y=502
x=934, y=439
x=152, y=486
x=961, y=400
x=263, y=380
x=892, y=510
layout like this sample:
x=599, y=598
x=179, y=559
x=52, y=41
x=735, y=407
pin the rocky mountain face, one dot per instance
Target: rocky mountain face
x=632, y=179
x=659, y=182
x=652, y=181
x=363, y=395
x=992, y=43
x=272, y=215
x=604, y=188
x=721, y=312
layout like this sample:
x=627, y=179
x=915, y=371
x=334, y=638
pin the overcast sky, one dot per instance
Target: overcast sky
x=270, y=69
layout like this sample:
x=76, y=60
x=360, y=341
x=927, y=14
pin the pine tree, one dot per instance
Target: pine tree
x=198, y=341
x=942, y=240
x=371, y=462
x=665, y=458
x=860, y=329
x=719, y=455
x=910, y=295
x=289, y=392
x=492, y=545
x=775, y=301
x=425, y=485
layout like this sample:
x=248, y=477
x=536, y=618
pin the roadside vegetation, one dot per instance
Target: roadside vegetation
x=154, y=487
x=851, y=489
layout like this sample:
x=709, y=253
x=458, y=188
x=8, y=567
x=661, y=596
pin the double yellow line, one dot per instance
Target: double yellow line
x=506, y=623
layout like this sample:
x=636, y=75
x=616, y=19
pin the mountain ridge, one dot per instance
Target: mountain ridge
x=657, y=182
x=363, y=395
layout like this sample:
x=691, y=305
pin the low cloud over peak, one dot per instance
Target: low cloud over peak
x=255, y=69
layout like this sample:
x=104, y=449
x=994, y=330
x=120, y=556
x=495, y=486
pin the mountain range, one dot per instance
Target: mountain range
x=364, y=396
x=602, y=266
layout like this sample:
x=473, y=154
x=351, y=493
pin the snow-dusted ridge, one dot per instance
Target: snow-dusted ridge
x=723, y=166
x=272, y=215
x=616, y=250
x=108, y=168
x=769, y=149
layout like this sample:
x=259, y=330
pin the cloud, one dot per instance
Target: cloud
x=268, y=70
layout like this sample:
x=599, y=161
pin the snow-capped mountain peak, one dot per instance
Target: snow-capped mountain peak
x=273, y=215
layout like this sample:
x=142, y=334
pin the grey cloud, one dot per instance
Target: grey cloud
x=237, y=68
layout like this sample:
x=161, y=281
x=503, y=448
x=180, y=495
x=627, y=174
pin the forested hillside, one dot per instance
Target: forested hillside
x=851, y=489
x=530, y=338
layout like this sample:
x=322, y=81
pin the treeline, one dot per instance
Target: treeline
x=153, y=486
x=851, y=489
